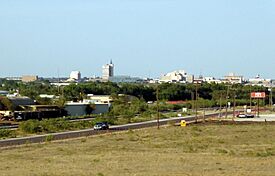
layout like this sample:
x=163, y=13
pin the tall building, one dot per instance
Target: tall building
x=108, y=71
x=75, y=75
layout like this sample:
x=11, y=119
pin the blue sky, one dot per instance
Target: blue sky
x=142, y=37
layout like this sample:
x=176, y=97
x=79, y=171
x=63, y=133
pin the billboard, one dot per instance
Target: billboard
x=257, y=94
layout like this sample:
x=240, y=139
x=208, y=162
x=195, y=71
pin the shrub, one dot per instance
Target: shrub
x=52, y=125
x=5, y=133
x=49, y=138
x=30, y=126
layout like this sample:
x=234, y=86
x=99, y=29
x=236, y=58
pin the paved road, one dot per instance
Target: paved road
x=262, y=118
x=90, y=132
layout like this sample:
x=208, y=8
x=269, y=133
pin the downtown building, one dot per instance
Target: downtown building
x=107, y=71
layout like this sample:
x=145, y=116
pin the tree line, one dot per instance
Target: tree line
x=213, y=93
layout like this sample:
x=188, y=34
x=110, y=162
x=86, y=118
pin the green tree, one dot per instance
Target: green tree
x=6, y=103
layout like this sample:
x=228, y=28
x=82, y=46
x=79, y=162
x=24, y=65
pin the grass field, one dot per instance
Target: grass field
x=209, y=150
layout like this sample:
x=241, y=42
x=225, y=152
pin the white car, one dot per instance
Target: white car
x=241, y=115
x=101, y=126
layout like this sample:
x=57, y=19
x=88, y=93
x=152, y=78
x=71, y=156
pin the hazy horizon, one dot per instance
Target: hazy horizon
x=144, y=38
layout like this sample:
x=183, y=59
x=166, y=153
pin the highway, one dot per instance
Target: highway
x=90, y=132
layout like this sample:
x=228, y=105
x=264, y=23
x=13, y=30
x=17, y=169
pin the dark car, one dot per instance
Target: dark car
x=250, y=115
x=101, y=126
x=241, y=115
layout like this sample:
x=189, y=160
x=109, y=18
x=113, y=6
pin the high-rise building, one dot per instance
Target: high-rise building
x=108, y=71
x=75, y=75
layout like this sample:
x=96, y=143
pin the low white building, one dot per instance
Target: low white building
x=232, y=78
x=175, y=76
x=48, y=96
x=259, y=81
x=100, y=98
x=211, y=80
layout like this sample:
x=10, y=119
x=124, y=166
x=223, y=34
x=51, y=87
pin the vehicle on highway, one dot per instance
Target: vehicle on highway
x=250, y=115
x=241, y=115
x=101, y=126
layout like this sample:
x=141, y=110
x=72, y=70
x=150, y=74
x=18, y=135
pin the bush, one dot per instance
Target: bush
x=5, y=133
x=49, y=138
x=31, y=126
x=52, y=125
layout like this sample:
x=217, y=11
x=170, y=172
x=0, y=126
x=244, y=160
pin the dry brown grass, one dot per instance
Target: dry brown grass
x=194, y=150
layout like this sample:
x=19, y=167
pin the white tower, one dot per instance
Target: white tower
x=76, y=75
x=108, y=71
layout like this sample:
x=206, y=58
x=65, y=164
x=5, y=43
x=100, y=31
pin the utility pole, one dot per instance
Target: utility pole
x=158, y=106
x=196, y=118
x=226, y=105
x=272, y=93
x=250, y=97
x=258, y=107
x=271, y=96
x=192, y=97
x=220, y=106
x=270, y=105
x=203, y=111
x=58, y=84
x=234, y=105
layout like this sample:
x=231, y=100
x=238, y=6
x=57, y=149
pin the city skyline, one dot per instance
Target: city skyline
x=143, y=38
